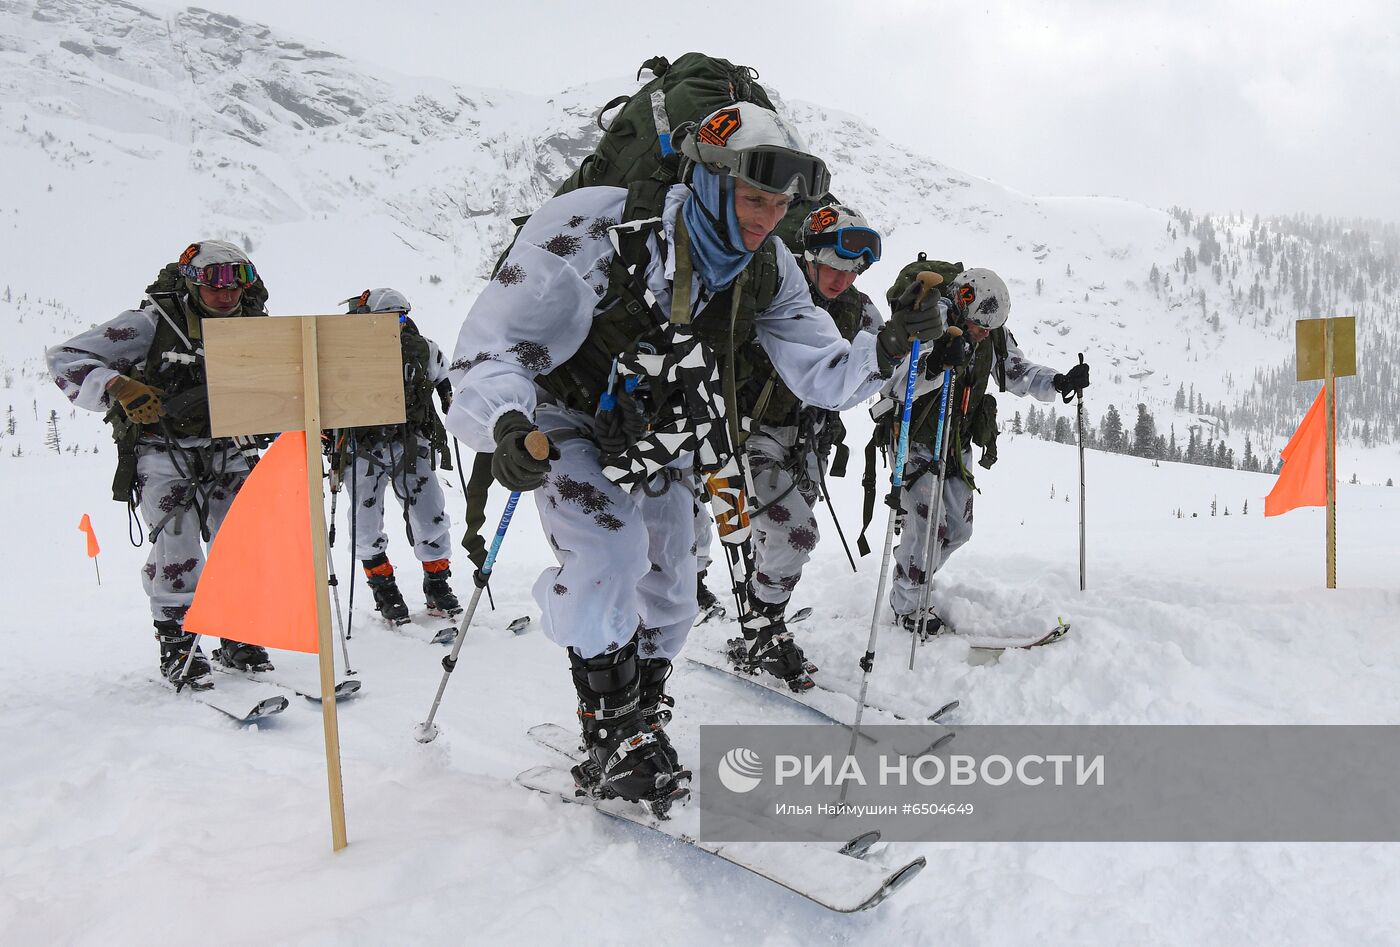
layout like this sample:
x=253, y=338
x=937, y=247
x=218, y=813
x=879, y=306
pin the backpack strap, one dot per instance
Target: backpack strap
x=867, y=483
x=685, y=272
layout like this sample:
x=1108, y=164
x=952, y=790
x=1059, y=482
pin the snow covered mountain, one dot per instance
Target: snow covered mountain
x=133, y=817
x=129, y=132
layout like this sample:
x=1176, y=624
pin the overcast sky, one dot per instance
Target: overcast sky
x=1257, y=106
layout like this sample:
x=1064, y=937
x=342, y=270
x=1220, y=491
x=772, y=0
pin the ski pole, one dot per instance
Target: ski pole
x=830, y=508
x=331, y=580
x=932, y=550
x=539, y=448
x=1079, y=425
x=354, y=535
x=867, y=662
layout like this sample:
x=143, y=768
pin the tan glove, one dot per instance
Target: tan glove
x=141, y=402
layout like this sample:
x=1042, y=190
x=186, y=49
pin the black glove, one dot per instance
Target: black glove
x=1072, y=381
x=951, y=351
x=512, y=464
x=621, y=426
x=444, y=390
x=916, y=315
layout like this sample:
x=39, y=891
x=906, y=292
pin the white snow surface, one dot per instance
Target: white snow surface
x=131, y=815
x=134, y=816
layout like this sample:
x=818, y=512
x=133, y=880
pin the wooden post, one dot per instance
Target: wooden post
x=1326, y=350
x=1330, y=407
x=264, y=376
x=311, y=387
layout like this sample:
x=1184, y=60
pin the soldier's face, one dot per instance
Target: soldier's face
x=976, y=333
x=830, y=282
x=758, y=212
x=223, y=300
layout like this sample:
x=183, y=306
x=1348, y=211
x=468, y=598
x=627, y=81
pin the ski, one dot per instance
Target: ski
x=993, y=643
x=343, y=691
x=569, y=745
x=904, y=717
x=715, y=612
x=998, y=642
x=825, y=876
x=233, y=706
x=816, y=701
x=947, y=708
x=820, y=700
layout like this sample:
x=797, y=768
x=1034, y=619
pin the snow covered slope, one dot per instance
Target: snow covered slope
x=132, y=816
x=126, y=133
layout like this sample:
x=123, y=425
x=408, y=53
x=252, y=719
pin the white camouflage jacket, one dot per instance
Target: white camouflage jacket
x=538, y=308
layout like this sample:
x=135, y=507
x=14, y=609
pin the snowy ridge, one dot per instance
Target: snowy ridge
x=336, y=177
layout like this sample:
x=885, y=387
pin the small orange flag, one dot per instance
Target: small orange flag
x=1303, y=479
x=258, y=585
x=85, y=524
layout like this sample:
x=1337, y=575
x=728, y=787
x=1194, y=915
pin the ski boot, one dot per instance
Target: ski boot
x=930, y=626
x=442, y=601
x=656, y=706
x=388, y=601
x=175, y=645
x=703, y=596
x=709, y=605
x=241, y=656
x=625, y=757
x=767, y=646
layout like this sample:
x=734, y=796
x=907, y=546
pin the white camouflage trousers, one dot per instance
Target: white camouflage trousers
x=954, y=528
x=785, y=530
x=418, y=491
x=172, y=489
x=626, y=561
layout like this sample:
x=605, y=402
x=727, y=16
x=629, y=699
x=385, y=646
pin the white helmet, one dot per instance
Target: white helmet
x=757, y=146
x=981, y=297
x=839, y=237
x=379, y=300
x=218, y=265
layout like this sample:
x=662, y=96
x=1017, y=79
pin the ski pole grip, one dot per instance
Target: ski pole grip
x=928, y=282
x=537, y=444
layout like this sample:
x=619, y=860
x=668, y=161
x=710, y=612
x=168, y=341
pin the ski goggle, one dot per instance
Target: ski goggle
x=782, y=171
x=220, y=275
x=850, y=243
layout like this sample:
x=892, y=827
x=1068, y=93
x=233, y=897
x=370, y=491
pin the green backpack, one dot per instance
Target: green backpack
x=635, y=152
x=922, y=265
x=636, y=144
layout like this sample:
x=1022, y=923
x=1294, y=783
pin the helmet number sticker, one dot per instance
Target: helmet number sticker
x=720, y=127
x=822, y=219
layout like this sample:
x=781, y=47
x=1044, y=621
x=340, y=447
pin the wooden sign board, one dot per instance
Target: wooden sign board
x=255, y=373
x=1311, y=339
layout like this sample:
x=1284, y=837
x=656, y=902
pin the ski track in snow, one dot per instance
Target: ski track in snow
x=133, y=814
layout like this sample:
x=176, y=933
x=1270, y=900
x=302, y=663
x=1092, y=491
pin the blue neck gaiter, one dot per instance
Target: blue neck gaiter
x=708, y=208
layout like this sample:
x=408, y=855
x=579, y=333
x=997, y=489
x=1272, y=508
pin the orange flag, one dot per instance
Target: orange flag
x=1303, y=479
x=259, y=585
x=85, y=525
